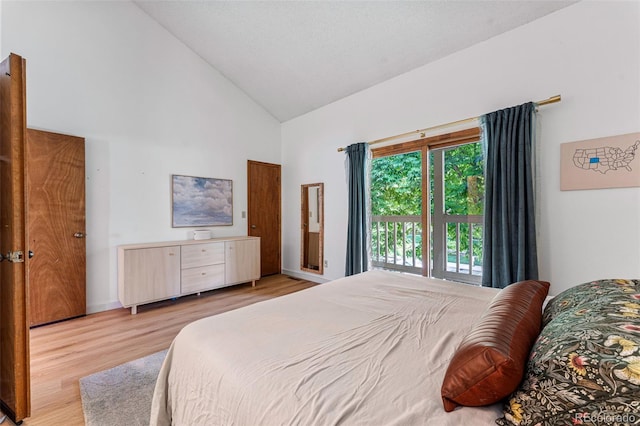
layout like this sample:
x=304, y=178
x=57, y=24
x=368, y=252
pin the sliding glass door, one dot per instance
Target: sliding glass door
x=434, y=184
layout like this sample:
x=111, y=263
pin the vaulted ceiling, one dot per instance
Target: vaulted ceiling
x=292, y=57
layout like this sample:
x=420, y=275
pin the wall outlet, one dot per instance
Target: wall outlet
x=326, y=263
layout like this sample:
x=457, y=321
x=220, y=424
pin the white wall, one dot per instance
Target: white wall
x=147, y=106
x=589, y=53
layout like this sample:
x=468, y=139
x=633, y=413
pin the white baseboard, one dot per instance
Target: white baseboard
x=92, y=309
x=306, y=276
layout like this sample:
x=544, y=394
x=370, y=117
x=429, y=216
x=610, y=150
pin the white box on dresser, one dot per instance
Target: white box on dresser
x=151, y=272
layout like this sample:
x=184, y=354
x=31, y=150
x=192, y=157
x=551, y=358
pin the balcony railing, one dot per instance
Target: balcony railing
x=459, y=265
x=397, y=245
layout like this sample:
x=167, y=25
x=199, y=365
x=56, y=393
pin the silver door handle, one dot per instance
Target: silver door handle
x=79, y=235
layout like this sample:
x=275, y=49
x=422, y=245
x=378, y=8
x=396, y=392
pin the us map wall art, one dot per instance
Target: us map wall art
x=611, y=162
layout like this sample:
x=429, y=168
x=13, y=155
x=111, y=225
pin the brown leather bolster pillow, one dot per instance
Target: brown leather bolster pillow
x=491, y=359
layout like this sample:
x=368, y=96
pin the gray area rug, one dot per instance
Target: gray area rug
x=121, y=395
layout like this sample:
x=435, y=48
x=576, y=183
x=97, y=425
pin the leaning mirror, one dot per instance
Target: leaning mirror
x=312, y=228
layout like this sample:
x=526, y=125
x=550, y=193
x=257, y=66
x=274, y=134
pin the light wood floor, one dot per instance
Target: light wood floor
x=62, y=353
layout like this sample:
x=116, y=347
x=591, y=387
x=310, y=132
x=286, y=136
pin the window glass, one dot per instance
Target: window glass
x=464, y=180
x=396, y=184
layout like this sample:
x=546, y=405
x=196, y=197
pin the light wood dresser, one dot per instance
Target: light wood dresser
x=157, y=271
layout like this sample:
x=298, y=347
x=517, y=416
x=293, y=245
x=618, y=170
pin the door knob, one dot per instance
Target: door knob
x=79, y=235
x=253, y=227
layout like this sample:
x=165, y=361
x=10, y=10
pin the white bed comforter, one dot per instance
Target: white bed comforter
x=371, y=349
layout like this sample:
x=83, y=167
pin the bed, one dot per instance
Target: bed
x=376, y=348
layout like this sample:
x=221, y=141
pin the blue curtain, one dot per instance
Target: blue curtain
x=509, y=250
x=357, y=253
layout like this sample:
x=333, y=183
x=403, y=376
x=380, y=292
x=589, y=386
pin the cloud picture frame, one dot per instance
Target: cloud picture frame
x=201, y=201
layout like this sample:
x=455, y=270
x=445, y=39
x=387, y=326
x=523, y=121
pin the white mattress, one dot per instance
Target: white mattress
x=371, y=349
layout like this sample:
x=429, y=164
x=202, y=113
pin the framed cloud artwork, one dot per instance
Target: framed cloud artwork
x=610, y=162
x=201, y=201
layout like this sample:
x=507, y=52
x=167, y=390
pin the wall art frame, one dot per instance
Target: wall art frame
x=609, y=162
x=201, y=201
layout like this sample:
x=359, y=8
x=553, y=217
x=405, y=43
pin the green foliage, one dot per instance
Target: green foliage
x=464, y=195
x=464, y=180
x=396, y=183
x=396, y=189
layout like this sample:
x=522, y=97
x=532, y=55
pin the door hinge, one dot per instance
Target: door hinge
x=13, y=257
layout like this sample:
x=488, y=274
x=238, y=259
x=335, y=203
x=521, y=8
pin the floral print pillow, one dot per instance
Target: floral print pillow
x=584, y=368
x=582, y=295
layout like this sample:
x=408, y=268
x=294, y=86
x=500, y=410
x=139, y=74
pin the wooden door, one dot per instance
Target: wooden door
x=56, y=226
x=14, y=330
x=264, y=213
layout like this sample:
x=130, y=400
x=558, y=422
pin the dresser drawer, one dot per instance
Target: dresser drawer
x=202, y=278
x=202, y=254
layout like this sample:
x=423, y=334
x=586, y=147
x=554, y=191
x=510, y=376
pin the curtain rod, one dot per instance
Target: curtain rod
x=551, y=100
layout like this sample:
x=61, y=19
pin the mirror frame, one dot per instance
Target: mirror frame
x=304, y=219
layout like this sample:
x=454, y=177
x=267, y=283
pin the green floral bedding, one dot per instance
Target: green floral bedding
x=585, y=366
